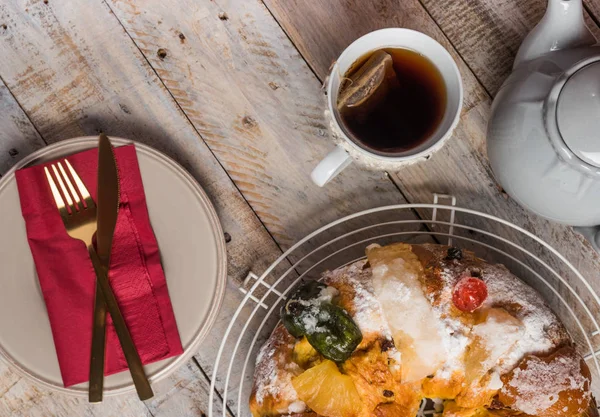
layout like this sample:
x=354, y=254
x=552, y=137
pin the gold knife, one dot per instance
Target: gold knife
x=107, y=202
x=107, y=210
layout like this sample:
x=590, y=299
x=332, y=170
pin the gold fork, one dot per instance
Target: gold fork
x=79, y=218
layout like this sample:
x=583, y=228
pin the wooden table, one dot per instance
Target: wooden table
x=232, y=90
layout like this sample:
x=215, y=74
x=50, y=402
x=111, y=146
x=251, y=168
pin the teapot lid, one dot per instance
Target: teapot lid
x=578, y=113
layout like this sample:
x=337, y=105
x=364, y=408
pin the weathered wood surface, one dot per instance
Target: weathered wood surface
x=487, y=34
x=218, y=86
x=75, y=71
x=19, y=398
x=18, y=137
x=74, y=76
x=256, y=104
x=322, y=29
x=185, y=393
x=259, y=108
x=593, y=8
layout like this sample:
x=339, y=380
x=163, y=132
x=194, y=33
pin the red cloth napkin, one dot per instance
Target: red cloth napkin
x=67, y=278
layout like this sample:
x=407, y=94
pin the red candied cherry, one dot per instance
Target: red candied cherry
x=469, y=294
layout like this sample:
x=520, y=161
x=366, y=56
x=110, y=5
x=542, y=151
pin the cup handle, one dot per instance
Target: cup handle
x=330, y=166
x=591, y=234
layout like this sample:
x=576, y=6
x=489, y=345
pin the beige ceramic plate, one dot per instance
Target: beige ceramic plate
x=192, y=251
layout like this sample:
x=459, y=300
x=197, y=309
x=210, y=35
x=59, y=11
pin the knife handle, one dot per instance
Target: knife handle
x=98, y=348
x=140, y=380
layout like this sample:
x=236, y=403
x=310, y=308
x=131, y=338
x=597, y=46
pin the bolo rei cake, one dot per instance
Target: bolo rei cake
x=376, y=337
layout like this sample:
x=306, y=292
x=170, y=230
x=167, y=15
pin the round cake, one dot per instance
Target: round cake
x=411, y=322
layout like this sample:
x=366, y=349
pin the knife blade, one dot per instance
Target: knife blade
x=107, y=200
x=107, y=203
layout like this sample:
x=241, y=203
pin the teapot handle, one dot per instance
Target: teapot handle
x=591, y=234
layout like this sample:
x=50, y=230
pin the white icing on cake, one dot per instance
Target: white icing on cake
x=495, y=382
x=411, y=318
x=368, y=315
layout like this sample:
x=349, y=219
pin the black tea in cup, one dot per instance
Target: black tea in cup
x=391, y=100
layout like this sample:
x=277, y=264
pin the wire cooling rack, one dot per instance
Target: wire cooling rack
x=343, y=242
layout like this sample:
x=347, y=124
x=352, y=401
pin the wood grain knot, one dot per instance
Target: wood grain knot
x=162, y=53
x=125, y=109
x=249, y=122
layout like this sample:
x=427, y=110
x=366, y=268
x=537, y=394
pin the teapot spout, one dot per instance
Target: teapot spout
x=562, y=27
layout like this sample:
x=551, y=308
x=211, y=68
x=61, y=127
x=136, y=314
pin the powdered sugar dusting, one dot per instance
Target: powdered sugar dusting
x=495, y=382
x=327, y=294
x=456, y=334
x=542, y=330
x=366, y=308
x=367, y=313
x=274, y=371
x=498, y=334
x=532, y=329
x=539, y=383
x=297, y=407
x=313, y=314
x=455, y=341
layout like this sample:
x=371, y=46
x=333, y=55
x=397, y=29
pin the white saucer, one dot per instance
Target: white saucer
x=193, y=255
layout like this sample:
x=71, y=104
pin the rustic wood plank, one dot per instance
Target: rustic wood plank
x=256, y=104
x=487, y=34
x=593, y=7
x=19, y=398
x=322, y=29
x=183, y=394
x=260, y=109
x=18, y=137
x=76, y=72
x=82, y=87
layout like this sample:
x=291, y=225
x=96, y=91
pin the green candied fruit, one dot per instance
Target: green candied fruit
x=337, y=335
x=328, y=328
x=298, y=307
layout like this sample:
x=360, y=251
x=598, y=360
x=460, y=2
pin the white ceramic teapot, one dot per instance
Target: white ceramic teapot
x=544, y=134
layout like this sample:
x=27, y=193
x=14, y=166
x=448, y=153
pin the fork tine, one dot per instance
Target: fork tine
x=63, y=188
x=80, y=186
x=67, y=180
x=60, y=204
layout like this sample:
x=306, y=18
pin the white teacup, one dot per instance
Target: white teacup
x=348, y=150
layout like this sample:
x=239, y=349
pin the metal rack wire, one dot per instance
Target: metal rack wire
x=343, y=241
